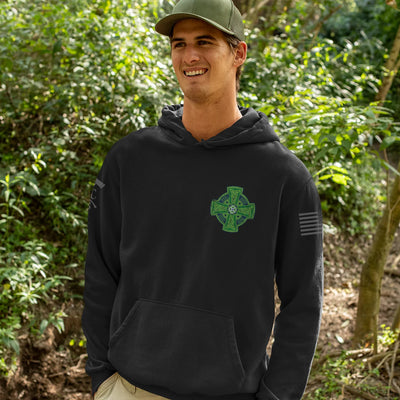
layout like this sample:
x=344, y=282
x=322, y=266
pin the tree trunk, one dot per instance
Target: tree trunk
x=391, y=68
x=396, y=320
x=373, y=269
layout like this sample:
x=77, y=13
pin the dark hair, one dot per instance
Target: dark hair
x=233, y=42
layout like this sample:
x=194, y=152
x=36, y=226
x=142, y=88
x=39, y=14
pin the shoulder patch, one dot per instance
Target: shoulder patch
x=310, y=223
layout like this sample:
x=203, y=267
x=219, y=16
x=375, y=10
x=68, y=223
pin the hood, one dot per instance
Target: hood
x=253, y=127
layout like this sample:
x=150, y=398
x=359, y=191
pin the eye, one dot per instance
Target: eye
x=178, y=44
x=203, y=42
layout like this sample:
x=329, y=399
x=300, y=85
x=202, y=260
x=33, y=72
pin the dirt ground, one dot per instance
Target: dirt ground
x=52, y=369
x=343, y=261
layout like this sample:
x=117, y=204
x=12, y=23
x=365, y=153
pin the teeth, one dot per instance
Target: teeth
x=194, y=73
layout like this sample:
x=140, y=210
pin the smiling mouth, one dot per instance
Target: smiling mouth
x=197, y=72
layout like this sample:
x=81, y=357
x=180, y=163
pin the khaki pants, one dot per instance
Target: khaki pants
x=117, y=388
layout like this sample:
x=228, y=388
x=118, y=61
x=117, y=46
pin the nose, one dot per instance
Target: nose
x=191, y=55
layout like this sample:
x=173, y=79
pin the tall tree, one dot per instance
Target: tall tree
x=373, y=269
x=391, y=68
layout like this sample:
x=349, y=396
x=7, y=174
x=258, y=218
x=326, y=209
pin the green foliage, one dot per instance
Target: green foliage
x=357, y=369
x=74, y=77
x=346, y=198
x=28, y=276
x=371, y=19
x=334, y=371
x=387, y=337
x=373, y=26
x=316, y=95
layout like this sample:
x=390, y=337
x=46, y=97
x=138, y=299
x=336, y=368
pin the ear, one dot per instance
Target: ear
x=240, y=54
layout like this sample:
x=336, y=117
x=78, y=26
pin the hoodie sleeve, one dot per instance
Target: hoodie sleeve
x=102, y=270
x=299, y=278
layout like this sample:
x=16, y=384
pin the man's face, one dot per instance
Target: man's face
x=203, y=61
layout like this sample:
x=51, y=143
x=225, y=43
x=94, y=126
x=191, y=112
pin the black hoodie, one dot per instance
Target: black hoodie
x=185, y=241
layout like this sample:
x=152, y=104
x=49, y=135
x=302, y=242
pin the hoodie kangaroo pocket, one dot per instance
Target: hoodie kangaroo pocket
x=184, y=349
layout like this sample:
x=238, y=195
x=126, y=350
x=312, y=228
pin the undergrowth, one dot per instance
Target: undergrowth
x=365, y=373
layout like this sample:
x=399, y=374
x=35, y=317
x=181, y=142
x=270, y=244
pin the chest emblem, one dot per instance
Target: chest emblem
x=232, y=209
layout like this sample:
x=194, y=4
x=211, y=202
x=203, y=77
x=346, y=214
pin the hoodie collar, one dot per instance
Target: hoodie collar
x=253, y=127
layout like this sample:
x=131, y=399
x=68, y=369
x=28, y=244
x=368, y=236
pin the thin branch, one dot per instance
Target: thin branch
x=338, y=353
x=396, y=261
x=396, y=387
x=392, y=271
x=385, y=357
x=391, y=375
x=355, y=391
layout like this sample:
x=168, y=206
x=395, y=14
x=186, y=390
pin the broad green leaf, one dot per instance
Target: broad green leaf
x=388, y=141
x=340, y=179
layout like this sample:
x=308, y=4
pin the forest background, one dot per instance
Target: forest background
x=77, y=75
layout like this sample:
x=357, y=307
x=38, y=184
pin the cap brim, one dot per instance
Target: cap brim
x=166, y=24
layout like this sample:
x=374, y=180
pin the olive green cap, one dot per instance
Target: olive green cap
x=221, y=14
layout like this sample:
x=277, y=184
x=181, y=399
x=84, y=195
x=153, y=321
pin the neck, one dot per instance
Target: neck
x=205, y=120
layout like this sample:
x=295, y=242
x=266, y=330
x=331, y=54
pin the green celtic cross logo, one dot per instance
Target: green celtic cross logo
x=232, y=209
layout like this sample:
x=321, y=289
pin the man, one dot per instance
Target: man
x=190, y=224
